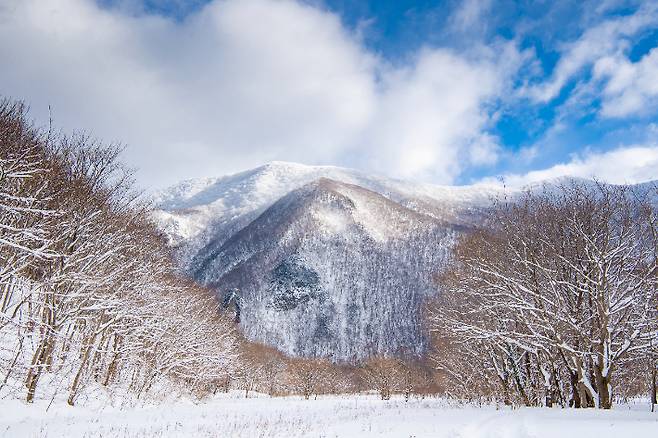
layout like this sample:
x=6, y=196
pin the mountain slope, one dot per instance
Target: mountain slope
x=331, y=270
x=195, y=212
x=323, y=261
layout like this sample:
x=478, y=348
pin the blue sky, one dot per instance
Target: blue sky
x=440, y=91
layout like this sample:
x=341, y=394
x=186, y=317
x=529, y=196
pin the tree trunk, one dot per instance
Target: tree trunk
x=654, y=398
x=575, y=393
x=76, y=380
x=111, y=369
x=603, y=388
x=39, y=361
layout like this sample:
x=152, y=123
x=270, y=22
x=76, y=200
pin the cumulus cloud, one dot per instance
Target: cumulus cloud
x=430, y=116
x=607, y=39
x=623, y=165
x=241, y=82
x=631, y=88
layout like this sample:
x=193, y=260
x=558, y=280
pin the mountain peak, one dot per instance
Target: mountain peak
x=189, y=209
x=319, y=272
x=328, y=261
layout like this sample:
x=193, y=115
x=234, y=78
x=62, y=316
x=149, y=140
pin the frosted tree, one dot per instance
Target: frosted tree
x=557, y=286
x=88, y=291
x=308, y=376
x=384, y=375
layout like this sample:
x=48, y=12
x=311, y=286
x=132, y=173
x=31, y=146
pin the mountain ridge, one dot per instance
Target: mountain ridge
x=323, y=261
x=327, y=271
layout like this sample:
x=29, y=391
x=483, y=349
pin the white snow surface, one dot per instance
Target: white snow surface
x=187, y=209
x=252, y=188
x=231, y=415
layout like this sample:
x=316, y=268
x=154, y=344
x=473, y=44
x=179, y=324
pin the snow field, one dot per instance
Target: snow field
x=327, y=417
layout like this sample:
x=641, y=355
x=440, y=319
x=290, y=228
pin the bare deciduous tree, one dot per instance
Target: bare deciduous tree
x=88, y=292
x=553, y=295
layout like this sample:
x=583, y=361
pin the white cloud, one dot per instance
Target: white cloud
x=624, y=165
x=631, y=88
x=430, y=116
x=485, y=150
x=609, y=38
x=247, y=81
x=469, y=16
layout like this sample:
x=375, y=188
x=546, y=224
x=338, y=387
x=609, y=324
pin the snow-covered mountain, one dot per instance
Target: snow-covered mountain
x=196, y=211
x=322, y=261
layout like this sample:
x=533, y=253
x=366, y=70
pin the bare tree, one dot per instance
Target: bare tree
x=555, y=291
x=383, y=374
x=88, y=291
x=307, y=376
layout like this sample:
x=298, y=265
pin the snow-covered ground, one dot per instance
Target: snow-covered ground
x=341, y=416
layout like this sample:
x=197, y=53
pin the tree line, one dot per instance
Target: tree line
x=553, y=300
x=266, y=370
x=88, y=292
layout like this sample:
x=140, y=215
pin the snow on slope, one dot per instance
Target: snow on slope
x=332, y=270
x=187, y=209
x=196, y=211
x=253, y=190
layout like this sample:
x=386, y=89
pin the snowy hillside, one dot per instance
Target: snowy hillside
x=203, y=202
x=331, y=270
x=196, y=211
x=321, y=261
x=253, y=188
